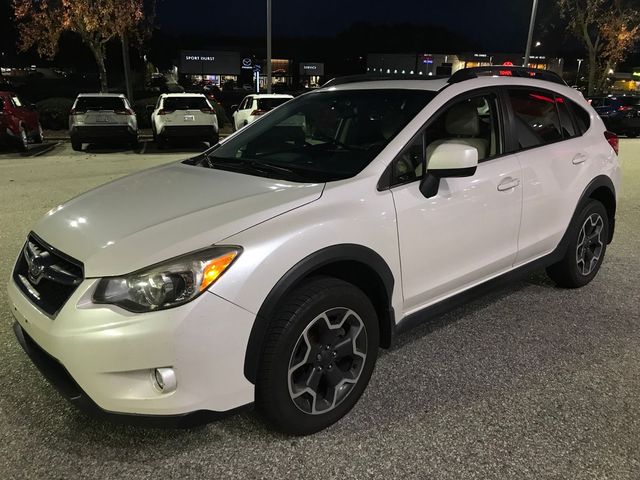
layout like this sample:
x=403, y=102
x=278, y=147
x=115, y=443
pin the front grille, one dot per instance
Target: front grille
x=46, y=276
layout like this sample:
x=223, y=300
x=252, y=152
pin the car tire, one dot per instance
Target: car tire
x=23, y=140
x=213, y=139
x=586, y=250
x=134, y=143
x=39, y=136
x=76, y=146
x=324, y=335
x=162, y=142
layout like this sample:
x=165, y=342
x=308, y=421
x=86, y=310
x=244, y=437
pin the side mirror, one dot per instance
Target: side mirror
x=33, y=106
x=448, y=159
x=234, y=108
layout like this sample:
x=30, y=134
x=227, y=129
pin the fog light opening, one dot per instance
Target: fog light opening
x=164, y=379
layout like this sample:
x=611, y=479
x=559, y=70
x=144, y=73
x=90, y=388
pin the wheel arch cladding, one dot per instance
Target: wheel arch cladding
x=352, y=263
x=602, y=189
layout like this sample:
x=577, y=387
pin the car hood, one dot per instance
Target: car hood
x=157, y=214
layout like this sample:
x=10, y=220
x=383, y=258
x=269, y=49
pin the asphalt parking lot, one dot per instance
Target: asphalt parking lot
x=529, y=382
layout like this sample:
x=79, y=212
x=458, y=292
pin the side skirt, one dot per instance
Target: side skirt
x=422, y=316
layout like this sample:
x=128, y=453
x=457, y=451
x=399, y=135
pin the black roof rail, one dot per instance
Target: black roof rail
x=505, y=71
x=368, y=77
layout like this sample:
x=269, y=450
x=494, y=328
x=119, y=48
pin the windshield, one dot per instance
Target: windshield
x=319, y=137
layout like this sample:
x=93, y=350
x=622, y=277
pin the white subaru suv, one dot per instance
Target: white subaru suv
x=185, y=116
x=279, y=261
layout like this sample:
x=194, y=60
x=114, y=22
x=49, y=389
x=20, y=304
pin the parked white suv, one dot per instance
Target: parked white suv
x=254, y=106
x=184, y=115
x=102, y=118
x=280, y=260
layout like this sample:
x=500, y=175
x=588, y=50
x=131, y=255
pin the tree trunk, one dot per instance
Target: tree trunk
x=99, y=54
x=127, y=66
x=593, y=71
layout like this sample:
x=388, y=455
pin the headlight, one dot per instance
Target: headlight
x=167, y=284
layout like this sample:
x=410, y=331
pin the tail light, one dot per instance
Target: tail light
x=613, y=140
x=624, y=108
x=162, y=111
x=258, y=112
x=207, y=110
x=77, y=112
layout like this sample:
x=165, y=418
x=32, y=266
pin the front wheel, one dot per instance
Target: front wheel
x=39, y=136
x=319, y=354
x=587, y=246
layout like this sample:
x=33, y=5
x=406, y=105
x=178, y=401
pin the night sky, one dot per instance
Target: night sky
x=489, y=23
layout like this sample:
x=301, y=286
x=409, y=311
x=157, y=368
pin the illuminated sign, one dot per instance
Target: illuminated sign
x=312, y=69
x=209, y=63
x=247, y=64
x=636, y=73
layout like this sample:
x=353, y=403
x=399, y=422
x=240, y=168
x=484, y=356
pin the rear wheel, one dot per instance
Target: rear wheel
x=319, y=355
x=23, y=140
x=39, y=136
x=586, y=250
x=162, y=142
x=76, y=145
x=213, y=139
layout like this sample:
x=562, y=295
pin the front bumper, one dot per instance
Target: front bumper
x=101, y=358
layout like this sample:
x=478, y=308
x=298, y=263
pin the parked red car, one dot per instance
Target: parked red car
x=19, y=122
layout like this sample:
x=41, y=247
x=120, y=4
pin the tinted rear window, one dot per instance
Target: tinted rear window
x=536, y=118
x=185, y=103
x=631, y=101
x=270, y=103
x=99, y=103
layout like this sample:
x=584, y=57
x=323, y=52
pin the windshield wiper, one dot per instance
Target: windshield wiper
x=243, y=163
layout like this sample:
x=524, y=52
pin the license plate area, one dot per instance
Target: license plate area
x=189, y=118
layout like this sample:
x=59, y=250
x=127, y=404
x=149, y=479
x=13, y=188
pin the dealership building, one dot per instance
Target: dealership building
x=429, y=64
x=219, y=67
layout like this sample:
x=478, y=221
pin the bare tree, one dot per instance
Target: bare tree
x=41, y=23
x=608, y=29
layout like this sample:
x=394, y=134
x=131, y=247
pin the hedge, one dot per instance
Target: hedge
x=54, y=113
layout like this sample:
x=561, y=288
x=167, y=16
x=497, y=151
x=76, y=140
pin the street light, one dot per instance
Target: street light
x=269, y=66
x=532, y=24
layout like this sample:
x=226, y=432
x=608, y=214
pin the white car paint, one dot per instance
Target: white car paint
x=248, y=112
x=480, y=233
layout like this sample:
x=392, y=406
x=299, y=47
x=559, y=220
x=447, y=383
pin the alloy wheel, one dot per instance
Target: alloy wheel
x=590, y=244
x=327, y=360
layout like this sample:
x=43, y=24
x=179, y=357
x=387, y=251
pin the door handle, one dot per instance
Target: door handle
x=579, y=158
x=508, y=183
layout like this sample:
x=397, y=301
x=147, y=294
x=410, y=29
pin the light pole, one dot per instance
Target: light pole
x=269, y=65
x=532, y=25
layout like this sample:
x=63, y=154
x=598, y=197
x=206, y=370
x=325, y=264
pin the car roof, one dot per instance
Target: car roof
x=179, y=95
x=106, y=95
x=270, y=95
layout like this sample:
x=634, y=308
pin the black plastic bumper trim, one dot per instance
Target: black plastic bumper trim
x=61, y=379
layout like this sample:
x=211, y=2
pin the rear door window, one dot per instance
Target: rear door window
x=84, y=104
x=536, y=120
x=267, y=104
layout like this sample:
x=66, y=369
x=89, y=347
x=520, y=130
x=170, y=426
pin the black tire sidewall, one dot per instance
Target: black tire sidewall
x=285, y=414
x=571, y=263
